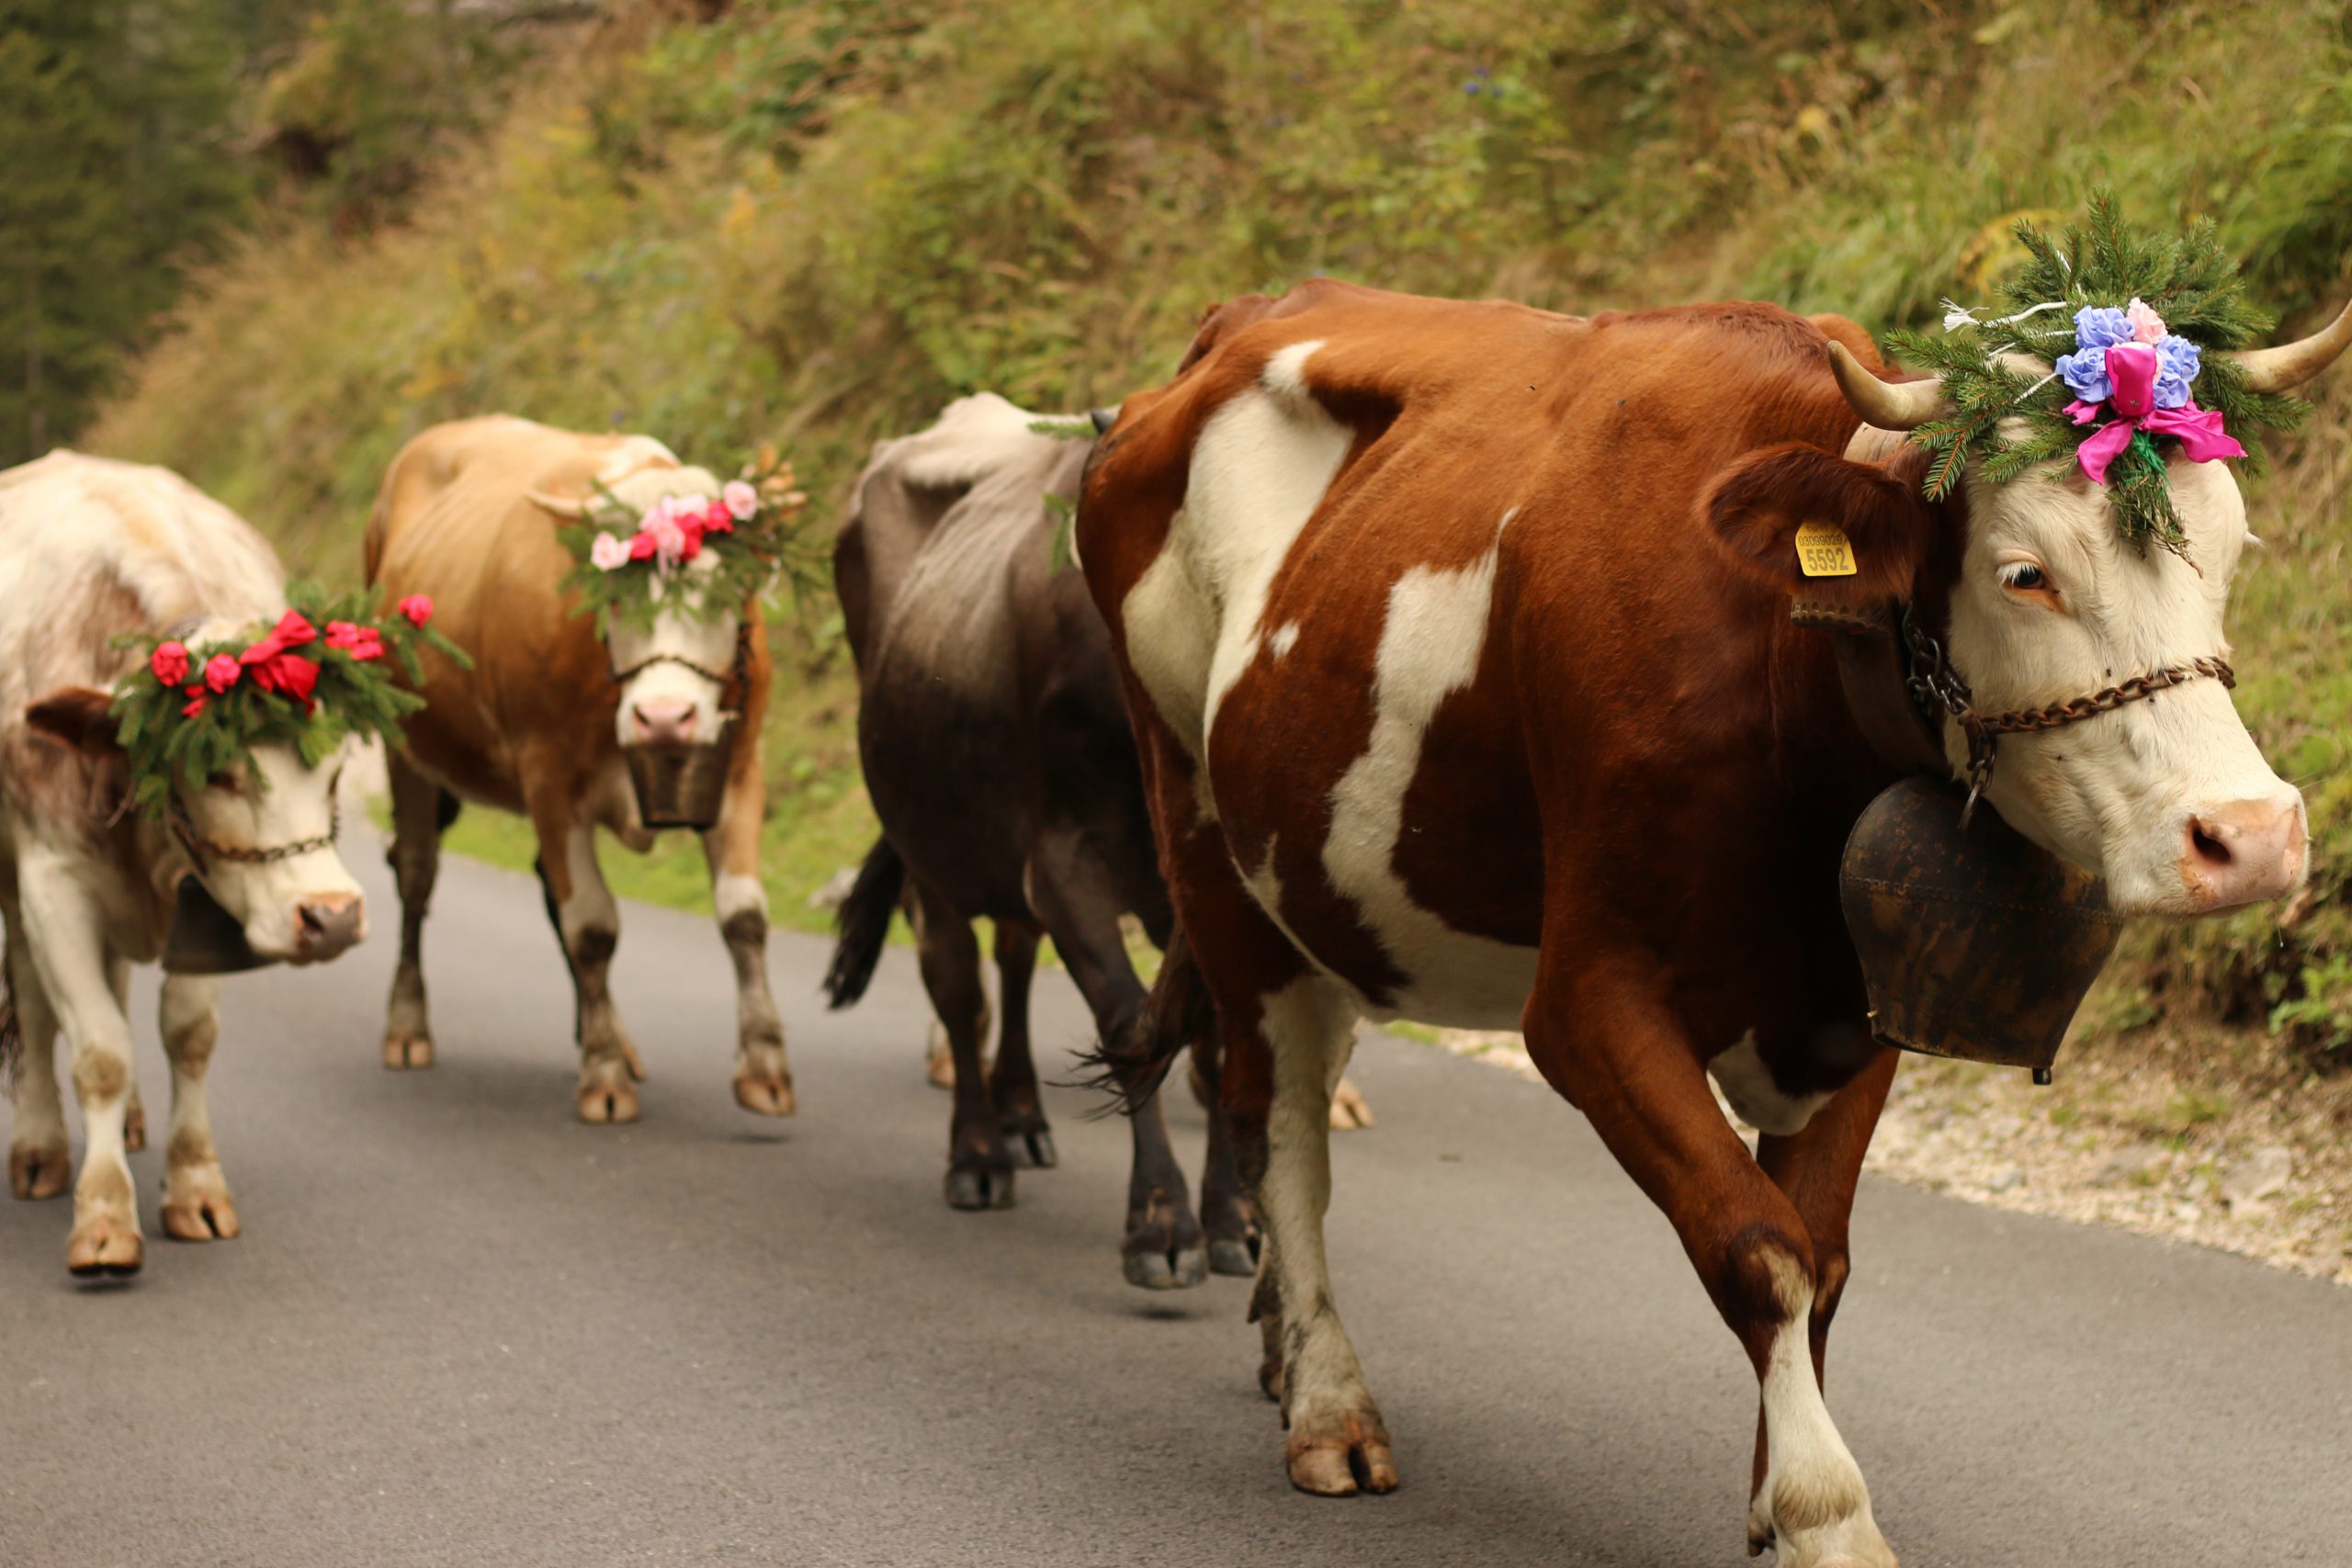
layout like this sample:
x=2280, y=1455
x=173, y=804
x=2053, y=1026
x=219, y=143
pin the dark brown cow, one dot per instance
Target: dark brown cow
x=1001, y=765
x=1457, y=637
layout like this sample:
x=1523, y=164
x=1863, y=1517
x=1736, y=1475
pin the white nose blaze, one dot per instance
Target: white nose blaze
x=667, y=698
x=2167, y=797
x=303, y=907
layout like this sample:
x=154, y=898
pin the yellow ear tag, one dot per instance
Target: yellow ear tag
x=1822, y=550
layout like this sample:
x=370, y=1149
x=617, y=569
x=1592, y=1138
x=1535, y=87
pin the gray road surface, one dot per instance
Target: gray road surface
x=462, y=1329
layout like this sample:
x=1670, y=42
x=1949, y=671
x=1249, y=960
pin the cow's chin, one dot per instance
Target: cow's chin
x=304, y=910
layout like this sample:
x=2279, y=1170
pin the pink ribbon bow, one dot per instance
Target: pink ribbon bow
x=2132, y=367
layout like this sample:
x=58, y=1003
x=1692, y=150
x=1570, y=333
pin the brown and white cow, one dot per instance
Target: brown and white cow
x=468, y=516
x=1459, y=644
x=91, y=551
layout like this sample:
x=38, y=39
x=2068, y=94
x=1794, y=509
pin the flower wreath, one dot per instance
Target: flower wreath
x=627, y=559
x=198, y=711
x=2125, y=321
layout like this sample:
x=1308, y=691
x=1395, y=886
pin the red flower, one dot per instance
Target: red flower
x=287, y=674
x=716, y=519
x=220, y=671
x=417, y=608
x=291, y=631
x=169, y=662
x=362, y=642
x=690, y=533
x=643, y=545
x=195, y=704
x=341, y=634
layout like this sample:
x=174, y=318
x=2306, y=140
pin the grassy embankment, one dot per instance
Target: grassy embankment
x=816, y=222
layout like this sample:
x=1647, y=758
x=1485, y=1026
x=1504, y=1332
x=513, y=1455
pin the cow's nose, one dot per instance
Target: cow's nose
x=664, y=721
x=2246, y=852
x=324, y=927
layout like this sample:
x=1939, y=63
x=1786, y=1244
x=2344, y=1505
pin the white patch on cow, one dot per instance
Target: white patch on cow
x=1429, y=646
x=732, y=894
x=277, y=803
x=970, y=439
x=1748, y=1083
x=1285, y=376
x=2118, y=794
x=1172, y=635
x=1811, y=1480
x=1285, y=638
x=589, y=905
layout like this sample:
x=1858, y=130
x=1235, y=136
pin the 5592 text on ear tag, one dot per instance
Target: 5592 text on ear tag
x=1822, y=550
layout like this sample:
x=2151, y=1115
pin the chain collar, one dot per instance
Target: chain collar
x=201, y=849
x=735, y=679
x=1937, y=689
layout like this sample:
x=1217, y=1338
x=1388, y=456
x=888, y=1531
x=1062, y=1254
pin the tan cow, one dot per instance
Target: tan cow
x=468, y=516
x=92, y=551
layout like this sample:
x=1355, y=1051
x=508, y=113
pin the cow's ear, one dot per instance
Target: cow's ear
x=1807, y=521
x=562, y=508
x=82, y=716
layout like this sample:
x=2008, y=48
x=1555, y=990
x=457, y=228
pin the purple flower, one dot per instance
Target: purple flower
x=2102, y=326
x=2177, y=366
x=2086, y=372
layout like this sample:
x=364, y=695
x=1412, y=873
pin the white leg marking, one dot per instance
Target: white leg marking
x=1748, y=1083
x=1813, y=1501
x=1429, y=646
x=733, y=894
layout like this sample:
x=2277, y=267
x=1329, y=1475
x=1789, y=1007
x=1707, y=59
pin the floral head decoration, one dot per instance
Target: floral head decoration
x=2126, y=323
x=316, y=676
x=632, y=564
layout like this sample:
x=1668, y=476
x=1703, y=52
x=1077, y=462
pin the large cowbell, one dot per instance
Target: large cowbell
x=205, y=938
x=1976, y=944
x=681, y=785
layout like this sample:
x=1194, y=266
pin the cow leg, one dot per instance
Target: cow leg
x=69, y=954
x=196, y=1205
x=763, y=1072
x=134, y=1114
x=980, y=1170
x=1818, y=1169
x=1227, y=1214
x=420, y=810
x=1012, y=1083
x=39, y=1164
x=588, y=922
x=1605, y=1034
x=1072, y=891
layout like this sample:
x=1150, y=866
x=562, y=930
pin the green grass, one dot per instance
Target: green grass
x=815, y=222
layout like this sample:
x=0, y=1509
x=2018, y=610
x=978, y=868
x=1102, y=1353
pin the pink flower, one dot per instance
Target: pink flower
x=2147, y=325
x=363, y=643
x=607, y=553
x=169, y=662
x=220, y=672
x=418, y=608
x=740, y=499
x=717, y=518
x=195, y=704
x=669, y=539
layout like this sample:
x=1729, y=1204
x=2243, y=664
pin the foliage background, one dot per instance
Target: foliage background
x=814, y=222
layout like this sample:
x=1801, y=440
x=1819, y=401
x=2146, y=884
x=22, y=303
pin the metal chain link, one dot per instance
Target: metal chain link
x=202, y=848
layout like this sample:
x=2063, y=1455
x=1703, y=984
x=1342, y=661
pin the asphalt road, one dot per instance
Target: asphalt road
x=461, y=1328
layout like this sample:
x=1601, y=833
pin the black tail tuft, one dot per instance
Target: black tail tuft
x=1130, y=1064
x=864, y=923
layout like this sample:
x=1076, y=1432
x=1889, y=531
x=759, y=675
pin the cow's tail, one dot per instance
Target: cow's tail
x=1130, y=1062
x=863, y=923
x=12, y=1038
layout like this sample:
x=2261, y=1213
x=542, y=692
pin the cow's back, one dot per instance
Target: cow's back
x=92, y=549
x=453, y=521
x=960, y=625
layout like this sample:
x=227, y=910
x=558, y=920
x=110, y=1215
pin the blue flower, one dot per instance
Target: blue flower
x=2177, y=366
x=2086, y=372
x=2102, y=326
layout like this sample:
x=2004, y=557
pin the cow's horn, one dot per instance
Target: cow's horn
x=2292, y=364
x=1103, y=420
x=562, y=505
x=1890, y=405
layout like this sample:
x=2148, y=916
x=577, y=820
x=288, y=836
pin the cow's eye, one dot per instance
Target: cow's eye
x=2024, y=577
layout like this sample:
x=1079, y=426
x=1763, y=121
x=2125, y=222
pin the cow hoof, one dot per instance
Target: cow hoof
x=38, y=1171
x=766, y=1096
x=104, y=1244
x=1032, y=1146
x=1228, y=1255
x=1178, y=1270
x=405, y=1053
x=605, y=1102
x=1337, y=1467
x=979, y=1187
x=205, y=1216
x=134, y=1127
x=1350, y=1112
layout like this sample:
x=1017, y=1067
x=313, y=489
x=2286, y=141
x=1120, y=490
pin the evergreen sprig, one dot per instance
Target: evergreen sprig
x=747, y=558
x=184, y=731
x=1992, y=371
